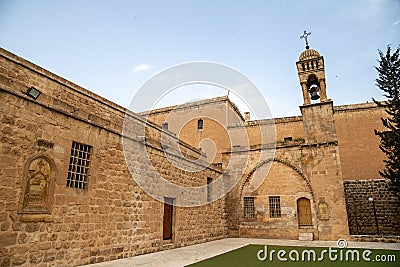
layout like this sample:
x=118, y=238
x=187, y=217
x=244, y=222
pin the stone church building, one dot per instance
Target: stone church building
x=70, y=190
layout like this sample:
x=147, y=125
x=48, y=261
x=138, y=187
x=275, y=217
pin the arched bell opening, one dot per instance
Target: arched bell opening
x=313, y=86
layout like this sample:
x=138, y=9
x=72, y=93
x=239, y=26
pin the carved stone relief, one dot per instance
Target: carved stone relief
x=36, y=195
x=323, y=211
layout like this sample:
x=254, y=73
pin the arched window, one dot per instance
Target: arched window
x=200, y=124
x=304, y=211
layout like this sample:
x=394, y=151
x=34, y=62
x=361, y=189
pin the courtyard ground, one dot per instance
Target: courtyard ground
x=191, y=254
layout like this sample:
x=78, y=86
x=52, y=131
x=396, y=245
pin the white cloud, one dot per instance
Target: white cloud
x=397, y=22
x=141, y=67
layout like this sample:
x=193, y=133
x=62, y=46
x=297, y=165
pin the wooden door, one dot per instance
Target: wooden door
x=168, y=218
x=304, y=211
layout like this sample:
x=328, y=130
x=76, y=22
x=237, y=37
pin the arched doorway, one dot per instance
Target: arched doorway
x=304, y=212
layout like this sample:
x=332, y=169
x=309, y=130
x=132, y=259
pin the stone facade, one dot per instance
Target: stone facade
x=299, y=169
x=73, y=163
x=325, y=146
x=43, y=221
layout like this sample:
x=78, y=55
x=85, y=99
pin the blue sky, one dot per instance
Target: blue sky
x=113, y=47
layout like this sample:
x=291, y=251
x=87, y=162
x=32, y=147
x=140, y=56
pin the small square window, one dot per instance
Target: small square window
x=249, y=211
x=288, y=139
x=275, y=207
x=165, y=126
x=79, y=163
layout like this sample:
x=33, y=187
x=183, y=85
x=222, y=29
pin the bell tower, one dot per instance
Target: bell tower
x=317, y=109
x=311, y=71
x=320, y=153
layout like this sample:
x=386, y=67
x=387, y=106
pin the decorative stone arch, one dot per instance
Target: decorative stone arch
x=38, y=185
x=280, y=161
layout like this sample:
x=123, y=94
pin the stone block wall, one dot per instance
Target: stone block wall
x=289, y=127
x=355, y=125
x=43, y=222
x=361, y=211
x=318, y=122
x=213, y=137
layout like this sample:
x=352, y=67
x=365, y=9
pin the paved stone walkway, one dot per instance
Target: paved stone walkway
x=187, y=255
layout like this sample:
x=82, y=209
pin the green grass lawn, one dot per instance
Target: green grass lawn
x=297, y=256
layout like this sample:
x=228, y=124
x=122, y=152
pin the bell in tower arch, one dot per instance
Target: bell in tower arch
x=314, y=89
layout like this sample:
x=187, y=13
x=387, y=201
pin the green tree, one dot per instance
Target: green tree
x=389, y=82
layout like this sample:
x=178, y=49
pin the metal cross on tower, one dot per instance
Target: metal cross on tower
x=305, y=35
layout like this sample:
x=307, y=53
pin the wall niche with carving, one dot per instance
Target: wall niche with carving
x=37, y=194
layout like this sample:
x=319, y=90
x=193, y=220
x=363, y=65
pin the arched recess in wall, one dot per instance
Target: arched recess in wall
x=297, y=170
x=38, y=185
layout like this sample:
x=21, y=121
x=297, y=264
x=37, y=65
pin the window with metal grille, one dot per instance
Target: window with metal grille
x=304, y=211
x=249, y=211
x=200, y=124
x=79, y=163
x=274, y=206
